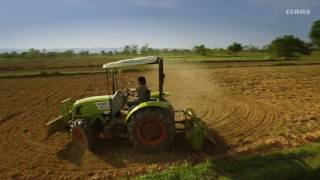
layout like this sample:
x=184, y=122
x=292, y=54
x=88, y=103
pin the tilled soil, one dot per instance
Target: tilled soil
x=252, y=109
x=256, y=108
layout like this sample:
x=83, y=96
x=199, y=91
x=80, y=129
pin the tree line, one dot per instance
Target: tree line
x=285, y=46
x=129, y=50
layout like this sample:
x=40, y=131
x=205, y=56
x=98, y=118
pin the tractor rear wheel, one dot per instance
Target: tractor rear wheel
x=84, y=134
x=151, y=129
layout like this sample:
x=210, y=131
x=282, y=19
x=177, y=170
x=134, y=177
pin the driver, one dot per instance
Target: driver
x=139, y=93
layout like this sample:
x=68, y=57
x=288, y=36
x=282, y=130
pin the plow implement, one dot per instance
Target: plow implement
x=60, y=123
x=196, y=130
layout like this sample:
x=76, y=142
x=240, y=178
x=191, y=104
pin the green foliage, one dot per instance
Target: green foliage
x=289, y=46
x=52, y=54
x=201, y=50
x=9, y=55
x=32, y=53
x=251, y=48
x=68, y=53
x=126, y=49
x=146, y=50
x=186, y=171
x=84, y=53
x=315, y=33
x=130, y=49
x=235, y=48
x=297, y=163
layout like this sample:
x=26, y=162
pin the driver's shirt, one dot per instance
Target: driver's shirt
x=141, y=92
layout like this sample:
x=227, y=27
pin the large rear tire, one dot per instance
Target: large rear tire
x=151, y=129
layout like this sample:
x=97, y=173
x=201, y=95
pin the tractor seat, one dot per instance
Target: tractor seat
x=147, y=95
x=117, y=103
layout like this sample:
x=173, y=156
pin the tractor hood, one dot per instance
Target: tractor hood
x=87, y=107
x=93, y=99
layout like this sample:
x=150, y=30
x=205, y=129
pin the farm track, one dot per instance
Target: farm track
x=250, y=108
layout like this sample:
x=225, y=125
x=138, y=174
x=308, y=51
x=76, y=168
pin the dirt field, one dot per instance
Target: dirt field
x=251, y=108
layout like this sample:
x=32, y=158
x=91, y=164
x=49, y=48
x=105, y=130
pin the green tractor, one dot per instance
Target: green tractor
x=150, y=125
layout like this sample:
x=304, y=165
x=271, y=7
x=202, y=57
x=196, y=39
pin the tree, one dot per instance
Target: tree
x=315, y=33
x=201, y=50
x=130, y=49
x=288, y=46
x=102, y=52
x=126, y=50
x=110, y=53
x=84, y=53
x=265, y=48
x=12, y=54
x=235, y=48
x=52, y=54
x=134, y=49
x=144, y=49
x=68, y=53
x=32, y=53
x=251, y=48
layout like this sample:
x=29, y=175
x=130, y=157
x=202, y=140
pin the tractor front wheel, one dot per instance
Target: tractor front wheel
x=151, y=129
x=84, y=134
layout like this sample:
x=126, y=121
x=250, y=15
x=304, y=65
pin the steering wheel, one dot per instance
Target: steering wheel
x=129, y=92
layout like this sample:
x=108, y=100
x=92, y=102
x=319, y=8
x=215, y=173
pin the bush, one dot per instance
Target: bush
x=288, y=46
x=43, y=73
x=235, y=47
x=201, y=50
x=315, y=33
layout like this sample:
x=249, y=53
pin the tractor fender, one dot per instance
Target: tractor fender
x=158, y=104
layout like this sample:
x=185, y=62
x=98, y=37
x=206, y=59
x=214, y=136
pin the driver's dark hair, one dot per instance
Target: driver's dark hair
x=142, y=80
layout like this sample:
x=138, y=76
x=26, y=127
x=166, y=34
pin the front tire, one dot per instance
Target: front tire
x=151, y=129
x=84, y=134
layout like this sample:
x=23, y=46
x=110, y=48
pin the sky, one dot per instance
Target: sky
x=160, y=23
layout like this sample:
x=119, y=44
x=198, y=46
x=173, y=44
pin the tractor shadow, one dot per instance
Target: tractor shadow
x=119, y=153
x=72, y=153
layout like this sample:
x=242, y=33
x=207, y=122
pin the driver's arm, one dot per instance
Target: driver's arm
x=132, y=91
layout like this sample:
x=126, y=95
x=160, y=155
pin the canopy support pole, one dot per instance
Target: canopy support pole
x=107, y=74
x=161, y=78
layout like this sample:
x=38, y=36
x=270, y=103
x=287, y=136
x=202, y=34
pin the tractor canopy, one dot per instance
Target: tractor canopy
x=112, y=67
x=132, y=62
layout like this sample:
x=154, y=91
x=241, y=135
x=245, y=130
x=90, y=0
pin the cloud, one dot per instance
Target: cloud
x=155, y=3
x=286, y=3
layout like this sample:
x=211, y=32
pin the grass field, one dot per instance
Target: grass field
x=296, y=163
